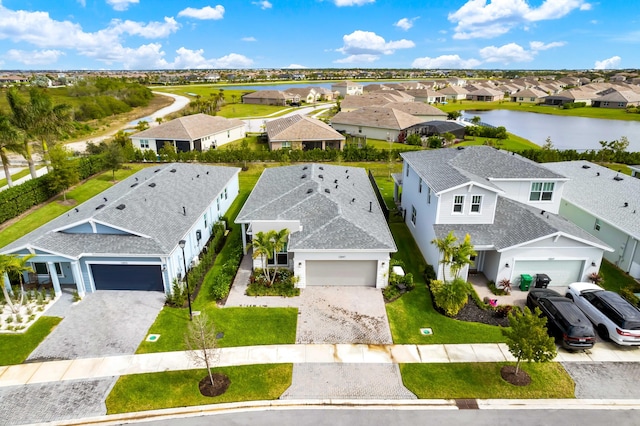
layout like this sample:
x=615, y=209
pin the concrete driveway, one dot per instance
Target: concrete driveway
x=104, y=323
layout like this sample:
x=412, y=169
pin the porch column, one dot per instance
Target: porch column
x=54, y=278
x=77, y=278
x=244, y=238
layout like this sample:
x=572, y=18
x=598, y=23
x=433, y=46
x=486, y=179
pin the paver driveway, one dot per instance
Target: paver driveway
x=104, y=323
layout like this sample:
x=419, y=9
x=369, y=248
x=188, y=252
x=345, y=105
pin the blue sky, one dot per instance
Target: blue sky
x=165, y=34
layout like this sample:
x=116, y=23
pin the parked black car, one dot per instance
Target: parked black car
x=565, y=320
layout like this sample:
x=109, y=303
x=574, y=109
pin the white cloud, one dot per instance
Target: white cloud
x=34, y=57
x=609, y=63
x=341, y=3
x=295, y=66
x=150, y=30
x=538, y=45
x=356, y=59
x=406, y=23
x=248, y=39
x=368, y=43
x=445, y=61
x=263, y=4
x=506, y=54
x=206, y=12
x=479, y=19
x=82, y=3
x=121, y=5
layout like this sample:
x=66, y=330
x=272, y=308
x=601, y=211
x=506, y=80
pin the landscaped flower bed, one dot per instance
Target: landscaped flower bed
x=34, y=304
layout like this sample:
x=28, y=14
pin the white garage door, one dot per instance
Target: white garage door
x=342, y=272
x=561, y=272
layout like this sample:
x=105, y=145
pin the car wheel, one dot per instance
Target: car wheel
x=603, y=332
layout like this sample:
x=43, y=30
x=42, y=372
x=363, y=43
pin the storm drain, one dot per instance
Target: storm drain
x=467, y=404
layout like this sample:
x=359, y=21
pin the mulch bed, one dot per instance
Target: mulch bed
x=508, y=373
x=220, y=385
x=473, y=313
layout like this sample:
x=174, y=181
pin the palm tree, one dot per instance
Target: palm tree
x=159, y=120
x=39, y=119
x=263, y=248
x=462, y=255
x=446, y=248
x=18, y=265
x=279, y=241
x=10, y=141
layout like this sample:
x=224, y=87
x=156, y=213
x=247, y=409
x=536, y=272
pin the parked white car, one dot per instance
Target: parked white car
x=614, y=317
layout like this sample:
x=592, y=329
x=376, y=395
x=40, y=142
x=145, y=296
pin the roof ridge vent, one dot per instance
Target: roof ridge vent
x=152, y=184
x=586, y=166
x=618, y=178
x=121, y=207
x=309, y=191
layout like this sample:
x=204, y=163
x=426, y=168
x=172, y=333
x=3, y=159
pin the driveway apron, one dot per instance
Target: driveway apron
x=104, y=323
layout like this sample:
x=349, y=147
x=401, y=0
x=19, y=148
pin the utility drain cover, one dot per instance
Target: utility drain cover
x=426, y=331
x=467, y=404
x=153, y=337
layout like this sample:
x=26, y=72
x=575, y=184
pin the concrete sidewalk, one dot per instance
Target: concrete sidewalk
x=90, y=368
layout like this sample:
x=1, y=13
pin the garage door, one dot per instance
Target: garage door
x=127, y=277
x=342, y=272
x=561, y=272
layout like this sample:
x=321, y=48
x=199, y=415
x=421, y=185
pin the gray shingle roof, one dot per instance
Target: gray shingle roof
x=379, y=117
x=154, y=216
x=602, y=196
x=514, y=224
x=300, y=128
x=336, y=220
x=190, y=127
x=446, y=168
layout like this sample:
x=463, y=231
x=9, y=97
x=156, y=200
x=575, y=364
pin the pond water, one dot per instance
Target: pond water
x=577, y=133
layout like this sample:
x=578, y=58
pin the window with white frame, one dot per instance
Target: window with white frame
x=42, y=268
x=144, y=143
x=280, y=258
x=476, y=203
x=407, y=170
x=458, y=203
x=541, y=191
x=596, y=226
x=414, y=213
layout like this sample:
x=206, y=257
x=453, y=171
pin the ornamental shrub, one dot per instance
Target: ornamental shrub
x=450, y=297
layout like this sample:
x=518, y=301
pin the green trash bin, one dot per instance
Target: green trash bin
x=525, y=282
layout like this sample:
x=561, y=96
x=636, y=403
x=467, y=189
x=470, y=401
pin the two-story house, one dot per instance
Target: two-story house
x=506, y=203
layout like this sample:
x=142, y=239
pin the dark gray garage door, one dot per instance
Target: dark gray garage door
x=127, y=277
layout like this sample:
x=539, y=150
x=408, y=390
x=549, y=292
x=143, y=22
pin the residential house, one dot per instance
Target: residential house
x=485, y=95
x=531, y=95
x=347, y=87
x=270, y=97
x=379, y=98
x=197, y=132
x=570, y=96
x=310, y=95
x=427, y=95
x=421, y=110
x=302, y=132
x=619, y=99
x=605, y=204
x=128, y=237
x=338, y=234
x=375, y=122
x=454, y=93
x=506, y=203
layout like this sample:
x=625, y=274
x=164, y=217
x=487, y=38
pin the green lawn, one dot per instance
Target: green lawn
x=142, y=392
x=482, y=381
x=47, y=212
x=414, y=310
x=241, y=327
x=512, y=143
x=615, y=278
x=15, y=348
x=14, y=177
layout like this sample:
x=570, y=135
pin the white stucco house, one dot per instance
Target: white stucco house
x=375, y=122
x=197, y=132
x=338, y=233
x=606, y=204
x=344, y=88
x=506, y=203
x=127, y=237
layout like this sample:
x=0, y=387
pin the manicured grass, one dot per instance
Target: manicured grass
x=414, y=310
x=15, y=348
x=247, y=326
x=512, y=143
x=142, y=392
x=47, y=212
x=14, y=177
x=615, y=278
x=589, y=112
x=483, y=381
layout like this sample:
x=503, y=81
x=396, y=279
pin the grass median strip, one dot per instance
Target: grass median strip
x=15, y=348
x=152, y=391
x=482, y=380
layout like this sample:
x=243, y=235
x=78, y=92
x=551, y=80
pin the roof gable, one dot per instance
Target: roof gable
x=189, y=127
x=299, y=127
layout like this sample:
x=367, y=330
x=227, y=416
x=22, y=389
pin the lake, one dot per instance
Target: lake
x=577, y=133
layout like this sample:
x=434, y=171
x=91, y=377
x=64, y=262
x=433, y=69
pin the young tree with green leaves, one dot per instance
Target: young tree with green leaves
x=64, y=171
x=527, y=337
x=113, y=157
